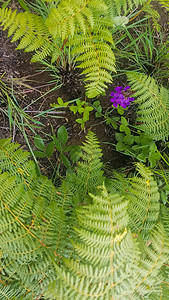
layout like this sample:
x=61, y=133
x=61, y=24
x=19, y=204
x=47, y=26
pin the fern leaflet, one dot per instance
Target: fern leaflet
x=153, y=105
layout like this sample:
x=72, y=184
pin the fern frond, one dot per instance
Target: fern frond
x=113, y=264
x=89, y=174
x=83, y=23
x=164, y=3
x=33, y=227
x=165, y=218
x=95, y=56
x=144, y=199
x=69, y=15
x=16, y=161
x=153, y=105
x=115, y=7
x=32, y=32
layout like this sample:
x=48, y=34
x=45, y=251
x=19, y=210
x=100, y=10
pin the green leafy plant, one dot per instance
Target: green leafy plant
x=77, y=26
x=82, y=29
x=50, y=247
x=81, y=107
x=139, y=144
x=144, y=50
x=60, y=143
x=153, y=105
x=98, y=108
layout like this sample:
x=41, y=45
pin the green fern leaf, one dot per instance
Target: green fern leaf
x=32, y=224
x=115, y=7
x=112, y=264
x=32, y=32
x=89, y=174
x=71, y=14
x=95, y=57
x=153, y=105
x=144, y=203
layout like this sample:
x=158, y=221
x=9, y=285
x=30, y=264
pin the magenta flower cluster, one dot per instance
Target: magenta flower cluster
x=119, y=97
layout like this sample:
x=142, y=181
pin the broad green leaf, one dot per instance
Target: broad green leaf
x=137, y=139
x=88, y=108
x=96, y=103
x=127, y=131
x=57, y=143
x=39, y=154
x=66, y=162
x=129, y=139
x=98, y=115
x=119, y=136
x=120, y=110
x=122, y=127
x=81, y=110
x=39, y=142
x=62, y=135
x=74, y=109
x=67, y=148
x=80, y=121
x=60, y=101
x=99, y=109
x=124, y=121
x=120, y=146
x=49, y=149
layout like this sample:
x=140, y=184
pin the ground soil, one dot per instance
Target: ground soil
x=35, y=83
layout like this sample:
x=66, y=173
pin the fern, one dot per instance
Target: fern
x=83, y=24
x=32, y=32
x=108, y=254
x=144, y=203
x=113, y=264
x=89, y=172
x=90, y=41
x=95, y=56
x=164, y=3
x=69, y=15
x=115, y=6
x=153, y=105
x=32, y=224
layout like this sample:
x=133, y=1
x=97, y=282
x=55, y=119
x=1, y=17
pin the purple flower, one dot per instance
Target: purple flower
x=119, y=98
x=126, y=88
x=118, y=89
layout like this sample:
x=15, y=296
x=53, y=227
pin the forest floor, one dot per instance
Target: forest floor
x=34, y=91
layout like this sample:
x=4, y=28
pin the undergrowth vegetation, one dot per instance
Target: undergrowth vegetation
x=83, y=232
x=116, y=246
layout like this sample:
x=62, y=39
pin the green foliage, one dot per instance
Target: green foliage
x=98, y=108
x=60, y=143
x=143, y=215
x=138, y=144
x=77, y=25
x=95, y=56
x=89, y=172
x=113, y=262
x=30, y=236
x=119, y=244
x=143, y=49
x=85, y=27
x=153, y=109
x=164, y=3
x=81, y=107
